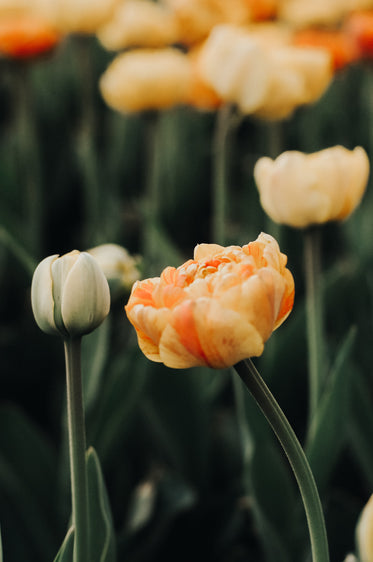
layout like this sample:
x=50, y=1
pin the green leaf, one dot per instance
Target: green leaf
x=65, y=554
x=101, y=531
x=27, y=469
x=94, y=354
x=328, y=431
x=268, y=480
x=361, y=426
x=109, y=423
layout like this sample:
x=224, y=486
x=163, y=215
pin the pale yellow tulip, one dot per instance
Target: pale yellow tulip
x=139, y=23
x=299, y=189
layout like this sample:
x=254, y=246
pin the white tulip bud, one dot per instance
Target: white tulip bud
x=69, y=294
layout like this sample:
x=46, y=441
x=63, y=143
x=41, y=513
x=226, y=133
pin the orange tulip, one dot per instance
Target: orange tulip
x=341, y=46
x=359, y=26
x=261, y=10
x=216, y=309
x=26, y=36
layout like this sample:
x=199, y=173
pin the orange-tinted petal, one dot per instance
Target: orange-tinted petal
x=342, y=48
x=359, y=27
x=216, y=337
x=23, y=37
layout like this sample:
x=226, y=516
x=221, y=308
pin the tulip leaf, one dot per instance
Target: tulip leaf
x=101, y=531
x=328, y=429
x=109, y=424
x=94, y=354
x=361, y=426
x=27, y=467
x=65, y=554
x=272, y=490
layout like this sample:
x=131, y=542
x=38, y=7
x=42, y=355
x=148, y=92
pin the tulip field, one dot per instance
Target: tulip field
x=186, y=271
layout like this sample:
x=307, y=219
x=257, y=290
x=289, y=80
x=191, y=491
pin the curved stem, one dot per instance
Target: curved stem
x=77, y=448
x=297, y=459
x=314, y=317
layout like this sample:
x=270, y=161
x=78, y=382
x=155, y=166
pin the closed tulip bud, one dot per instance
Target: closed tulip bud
x=364, y=533
x=69, y=294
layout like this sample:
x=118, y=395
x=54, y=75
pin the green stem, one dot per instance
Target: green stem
x=314, y=317
x=152, y=199
x=220, y=156
x=29, y=158
x=77, y=448
x=86, y=145
x=275, y=147
x=293, y=450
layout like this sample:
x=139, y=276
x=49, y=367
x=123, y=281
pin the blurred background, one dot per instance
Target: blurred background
x=76, y=173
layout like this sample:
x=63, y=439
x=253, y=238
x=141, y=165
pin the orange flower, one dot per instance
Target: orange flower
x=342, y=48
x=359, y=26
x=26, y=36
x=261, y=10
x=216, y=309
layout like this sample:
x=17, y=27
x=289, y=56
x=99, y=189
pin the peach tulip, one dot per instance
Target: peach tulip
x=196, y=18
x=303, y=13
x=300, y=189
x=151, y=79
x=77, y=16
x=147, y=79
x=216, y=309
x=269, y=82
x=139, y=23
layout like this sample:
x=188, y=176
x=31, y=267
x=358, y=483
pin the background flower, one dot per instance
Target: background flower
x=300, y=189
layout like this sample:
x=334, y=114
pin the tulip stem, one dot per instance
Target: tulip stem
x=29, y=158
x=314, y=317
x=77, y=448
x=223, y=126
x=293, y=450
x=275, y=130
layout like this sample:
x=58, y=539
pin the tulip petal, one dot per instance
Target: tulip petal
x=149, y=323
x=42, y=296
x=85, y=299
x=203, y=333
